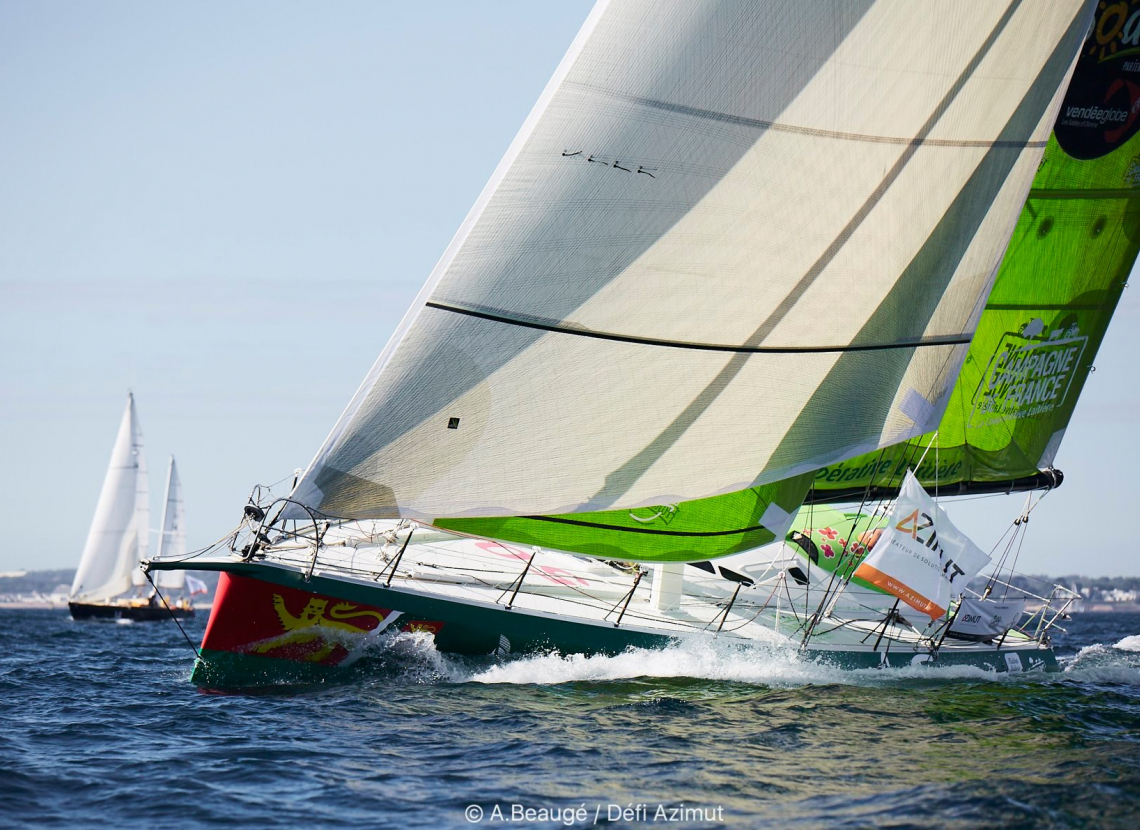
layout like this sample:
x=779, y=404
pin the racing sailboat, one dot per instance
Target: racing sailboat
x=735, y=251
x=109, y=584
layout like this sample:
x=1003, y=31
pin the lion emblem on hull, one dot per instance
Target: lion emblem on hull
x=318, y=630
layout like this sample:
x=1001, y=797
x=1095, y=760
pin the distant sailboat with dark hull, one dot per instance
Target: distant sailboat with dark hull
x=109, y=570
x=133, y=610
x=623, y=405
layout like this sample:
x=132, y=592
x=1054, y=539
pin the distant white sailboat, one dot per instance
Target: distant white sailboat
x=172, y=542
x=117, y=540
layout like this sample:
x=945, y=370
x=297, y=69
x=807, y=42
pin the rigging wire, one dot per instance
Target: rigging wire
x=173, y=616
x=1021, y=541
x=850, y=565
x=814, y=620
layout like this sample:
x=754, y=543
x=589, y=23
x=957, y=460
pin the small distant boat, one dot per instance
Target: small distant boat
x=117, y=540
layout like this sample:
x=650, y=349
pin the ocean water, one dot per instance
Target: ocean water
x=100, y=726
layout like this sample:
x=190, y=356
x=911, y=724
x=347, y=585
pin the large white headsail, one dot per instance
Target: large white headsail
x=117, y=540
x=734, y=241
x=172, y=540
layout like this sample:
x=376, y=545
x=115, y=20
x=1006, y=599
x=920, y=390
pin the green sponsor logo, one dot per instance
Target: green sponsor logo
x=1029, y=374
x=892, y=470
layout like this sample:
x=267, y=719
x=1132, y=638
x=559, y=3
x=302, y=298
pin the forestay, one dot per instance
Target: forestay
x=732, y=243
x=1059, y=284
x=117, y=540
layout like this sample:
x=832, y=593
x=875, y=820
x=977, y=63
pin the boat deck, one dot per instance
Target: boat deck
x=773, y=609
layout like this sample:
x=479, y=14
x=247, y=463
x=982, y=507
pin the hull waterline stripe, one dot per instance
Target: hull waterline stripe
x=954, y=340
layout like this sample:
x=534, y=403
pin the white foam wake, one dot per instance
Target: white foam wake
x=777, y=664
x=1129, y=643
x=747, y=664
x=771, y=664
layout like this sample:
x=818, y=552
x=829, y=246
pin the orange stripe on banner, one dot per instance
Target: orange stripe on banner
x=895, y=588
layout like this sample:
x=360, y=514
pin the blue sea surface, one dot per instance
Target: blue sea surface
x=99, y=726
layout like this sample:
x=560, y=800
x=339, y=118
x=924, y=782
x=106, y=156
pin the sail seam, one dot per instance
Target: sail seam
x=815, y=132
x=949, y=340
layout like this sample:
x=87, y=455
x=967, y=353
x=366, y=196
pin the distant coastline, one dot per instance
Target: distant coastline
x=49, y=589
x=1098, y=595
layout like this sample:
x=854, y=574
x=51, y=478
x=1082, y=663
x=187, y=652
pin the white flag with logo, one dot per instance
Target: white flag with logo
x=921, y=558
x=984, y=619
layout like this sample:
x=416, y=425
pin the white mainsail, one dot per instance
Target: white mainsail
x=172, y=541
x=117, y=540
x=733, y=242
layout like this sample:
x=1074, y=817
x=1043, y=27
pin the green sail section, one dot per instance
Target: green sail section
x=684, y=532
x=1056, y=289
x=832, y=540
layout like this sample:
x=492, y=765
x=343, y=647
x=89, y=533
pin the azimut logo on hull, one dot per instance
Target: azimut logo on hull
x=1029, y=374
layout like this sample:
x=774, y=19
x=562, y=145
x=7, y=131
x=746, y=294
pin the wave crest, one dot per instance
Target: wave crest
x=1131, y=643
x=1099, y=663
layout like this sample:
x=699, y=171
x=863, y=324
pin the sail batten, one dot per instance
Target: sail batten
x=493, y=316
x=716, y=211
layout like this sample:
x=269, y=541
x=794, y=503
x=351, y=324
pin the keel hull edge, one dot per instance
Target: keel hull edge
x=271, y=628
x=134, y=613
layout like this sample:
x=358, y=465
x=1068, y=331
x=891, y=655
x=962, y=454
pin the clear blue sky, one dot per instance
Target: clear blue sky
x=227, y=207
